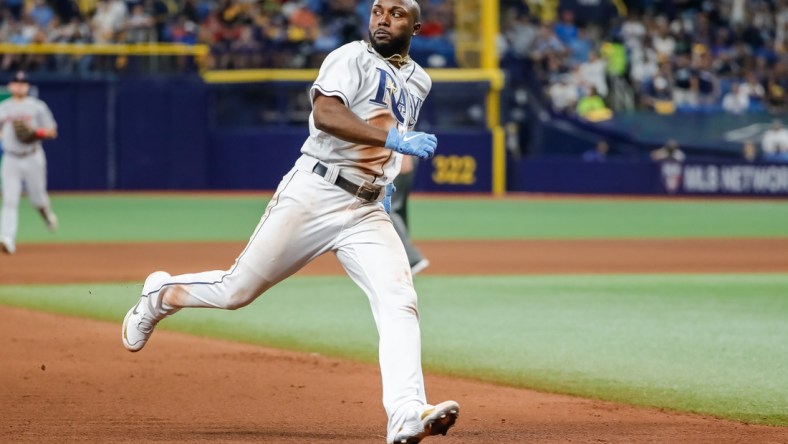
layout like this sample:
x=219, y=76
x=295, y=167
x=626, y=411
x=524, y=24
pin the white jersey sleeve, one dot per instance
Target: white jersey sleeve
x=43, y=118
x=340, y=75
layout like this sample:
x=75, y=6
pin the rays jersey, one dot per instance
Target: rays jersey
x=381, y=95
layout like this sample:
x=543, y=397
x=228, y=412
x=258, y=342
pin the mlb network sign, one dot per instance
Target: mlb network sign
x=760, y=179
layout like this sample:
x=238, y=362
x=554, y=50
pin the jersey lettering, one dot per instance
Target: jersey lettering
x=389, y=93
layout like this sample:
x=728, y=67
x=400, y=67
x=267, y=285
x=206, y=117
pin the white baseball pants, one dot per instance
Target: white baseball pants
x=309, y=216
x=30, y=170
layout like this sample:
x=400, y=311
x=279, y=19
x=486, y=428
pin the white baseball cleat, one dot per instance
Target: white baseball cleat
x=141, y=319
x=427, y=421
x=51, y=220
x=7, y=245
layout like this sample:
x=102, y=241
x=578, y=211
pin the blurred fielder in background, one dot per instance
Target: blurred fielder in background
x=365, y=103
x=24, y=122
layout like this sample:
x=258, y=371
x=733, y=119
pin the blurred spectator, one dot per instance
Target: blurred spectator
x=520, y=32
x=781, y=28
x=775, y=140
x=435, y=19
x=708, y=84
x=669, y=152
x=580, y=47
x=644, y=64
x=545, y=11
x=546, y=46
x=75, y=31
x=725, y=66
x=159, y=11
x=565, y=30
x=615, y=57
x=139, y=26
x=591, y=74
x=658, y=94
x=662, y=40
x=633, y=31
x=681, y=30
x=738, y=14
x=183, y=31
x=776, y=92
x=246, y=50
x=734, y=101
x=592, y=107
x=753, y=90
x=598, y=153
x=303, y=23
x=107, y=22
x=685, y=84
x=749, y=151
x=563, y=94
x=41, y=13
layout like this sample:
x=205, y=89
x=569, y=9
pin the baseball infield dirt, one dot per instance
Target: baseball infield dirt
x=68, y=379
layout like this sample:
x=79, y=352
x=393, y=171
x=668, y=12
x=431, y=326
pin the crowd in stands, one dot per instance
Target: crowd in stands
x=240, y=33
x=668, y=56
x=665, y=55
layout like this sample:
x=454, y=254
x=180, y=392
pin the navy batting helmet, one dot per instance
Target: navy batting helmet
x=19, y=77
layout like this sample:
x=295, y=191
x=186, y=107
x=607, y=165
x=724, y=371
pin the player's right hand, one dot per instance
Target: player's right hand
x=414, y=143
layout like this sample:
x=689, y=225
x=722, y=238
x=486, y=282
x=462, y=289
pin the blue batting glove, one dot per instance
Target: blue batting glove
x=414, y=143
x=390, y=189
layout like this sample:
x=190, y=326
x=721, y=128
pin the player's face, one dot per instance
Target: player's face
x=391, y=25
x=18, y=89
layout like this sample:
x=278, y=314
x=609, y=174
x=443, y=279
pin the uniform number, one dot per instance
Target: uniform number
x=454, y=170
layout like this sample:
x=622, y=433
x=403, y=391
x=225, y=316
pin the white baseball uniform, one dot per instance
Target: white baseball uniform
x=23, y=163
x=312, y=213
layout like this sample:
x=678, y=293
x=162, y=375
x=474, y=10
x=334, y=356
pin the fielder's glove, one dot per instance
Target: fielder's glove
x=414, y=143
x=24, y=132
x=390, y=189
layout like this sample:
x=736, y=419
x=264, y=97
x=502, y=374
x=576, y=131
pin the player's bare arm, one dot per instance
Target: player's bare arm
x=333, y=117
x=46, y=133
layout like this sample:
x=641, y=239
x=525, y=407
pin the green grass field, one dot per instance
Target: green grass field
x=213, y=217
x=713, y=344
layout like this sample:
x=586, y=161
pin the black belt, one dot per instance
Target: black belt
x=366, y=191
x=22, y=154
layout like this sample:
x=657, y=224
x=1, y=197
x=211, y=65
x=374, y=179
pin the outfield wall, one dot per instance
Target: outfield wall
x=180, y=133
x=570, y=175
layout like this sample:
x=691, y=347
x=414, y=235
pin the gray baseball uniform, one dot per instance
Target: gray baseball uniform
x=23, y=164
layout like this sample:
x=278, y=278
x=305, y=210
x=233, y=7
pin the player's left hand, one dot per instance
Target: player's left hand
x=24, y=132
x=414, y=143
x=390, y=189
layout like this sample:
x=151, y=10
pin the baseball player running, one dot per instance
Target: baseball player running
x=24, y=122
x=366, y=101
